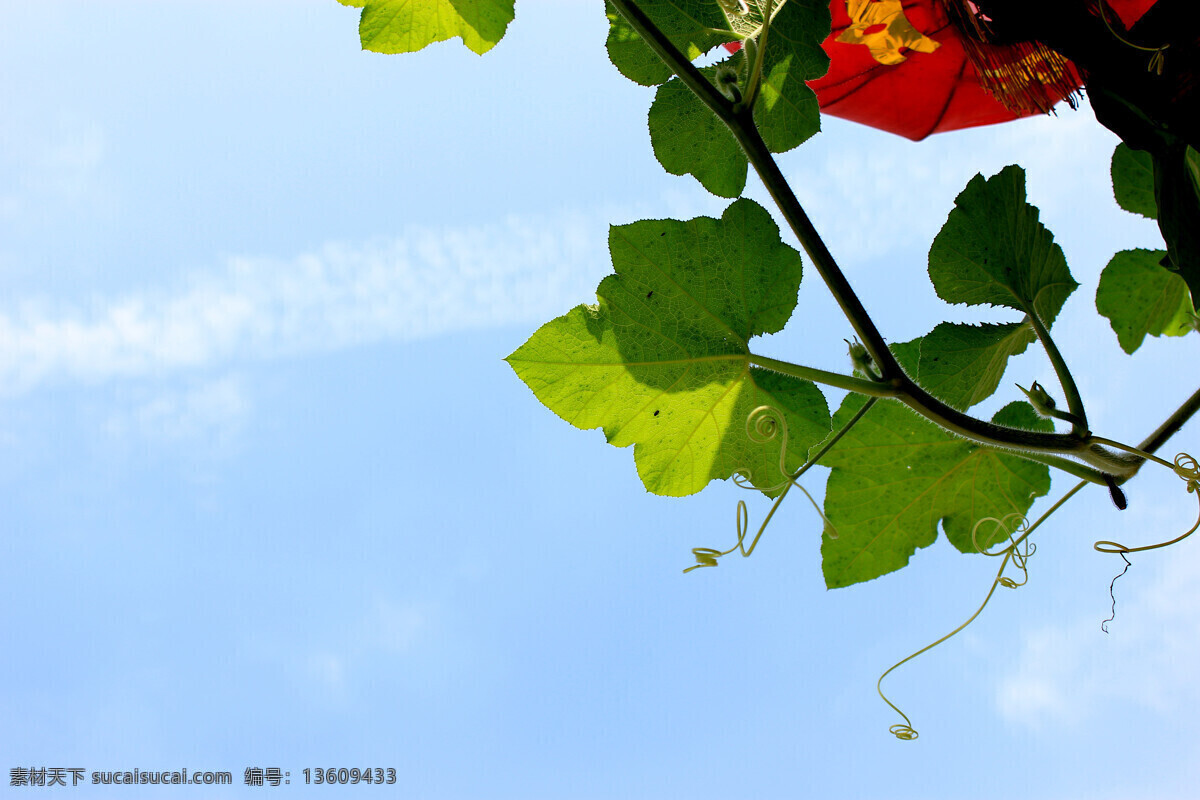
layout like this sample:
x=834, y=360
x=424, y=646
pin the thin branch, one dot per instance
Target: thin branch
x=1074, y=401
x=744, y=130
x=1172, y=424
x=1081, y=471
x=1150, y=444
x=754, y=83
x=665, y=49
x=885, y=390
x=847, y=382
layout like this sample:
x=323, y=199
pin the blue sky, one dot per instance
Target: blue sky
x=269, y=496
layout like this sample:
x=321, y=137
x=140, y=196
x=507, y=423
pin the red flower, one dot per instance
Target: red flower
x=916, y=67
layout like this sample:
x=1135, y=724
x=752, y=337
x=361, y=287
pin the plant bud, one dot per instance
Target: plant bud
x=861, y=359
x=727, y=83
x=1041, y=401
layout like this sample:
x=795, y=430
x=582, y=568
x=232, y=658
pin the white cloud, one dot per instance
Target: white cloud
x=395, y=627
x=860, y=185
x=402, y=634
x=1066, y=673
x=422, y=283
x=872, y=194
x=328, y=671
x=860, y=193
x=51, y=165
x=211, y=412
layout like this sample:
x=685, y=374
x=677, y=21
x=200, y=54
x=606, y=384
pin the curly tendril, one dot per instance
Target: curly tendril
x=1017, y=529
x=1112, y=585
x=1019, y=557
x=763, y=424
x=1185, y=466
x=707, y=556
x=1021, y=525
x=1188, y=470
x=1158, y=54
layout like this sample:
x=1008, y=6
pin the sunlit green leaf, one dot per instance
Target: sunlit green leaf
x=662, y=362
x=405, y=26
x=1139, y=296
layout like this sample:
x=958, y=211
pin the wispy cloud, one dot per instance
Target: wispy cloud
x=422, y=283
x=328, y=671
x=1065, y=673
x=57, y=164
x=405, y=635
x=872, y=194
x=211, y=412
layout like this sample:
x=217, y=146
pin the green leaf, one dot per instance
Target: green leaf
x=1178, y=198
x=1133, y=181
x=993, y=250
x=787, y=112
x=1140, y=296
x=693, y=26
x=963, y=364
x=405, y=26
x=688, y=138
x=662, y=362
x=895, y=477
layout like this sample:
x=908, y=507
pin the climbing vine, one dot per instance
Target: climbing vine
x=666, y=359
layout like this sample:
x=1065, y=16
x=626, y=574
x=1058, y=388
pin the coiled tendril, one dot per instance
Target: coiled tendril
x=1158, y=54
x=1010, y=525
x=1013, y=550
x=763, y=424
x=1185, y=466
x=1188, y=470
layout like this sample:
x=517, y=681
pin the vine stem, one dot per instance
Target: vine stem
x=1082, y=471
x=755, y=81
x=1172, y=424
x=741, y=124
x=1074, y=401
x=1149, y=445
x=837, y=380
x=885, y=389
